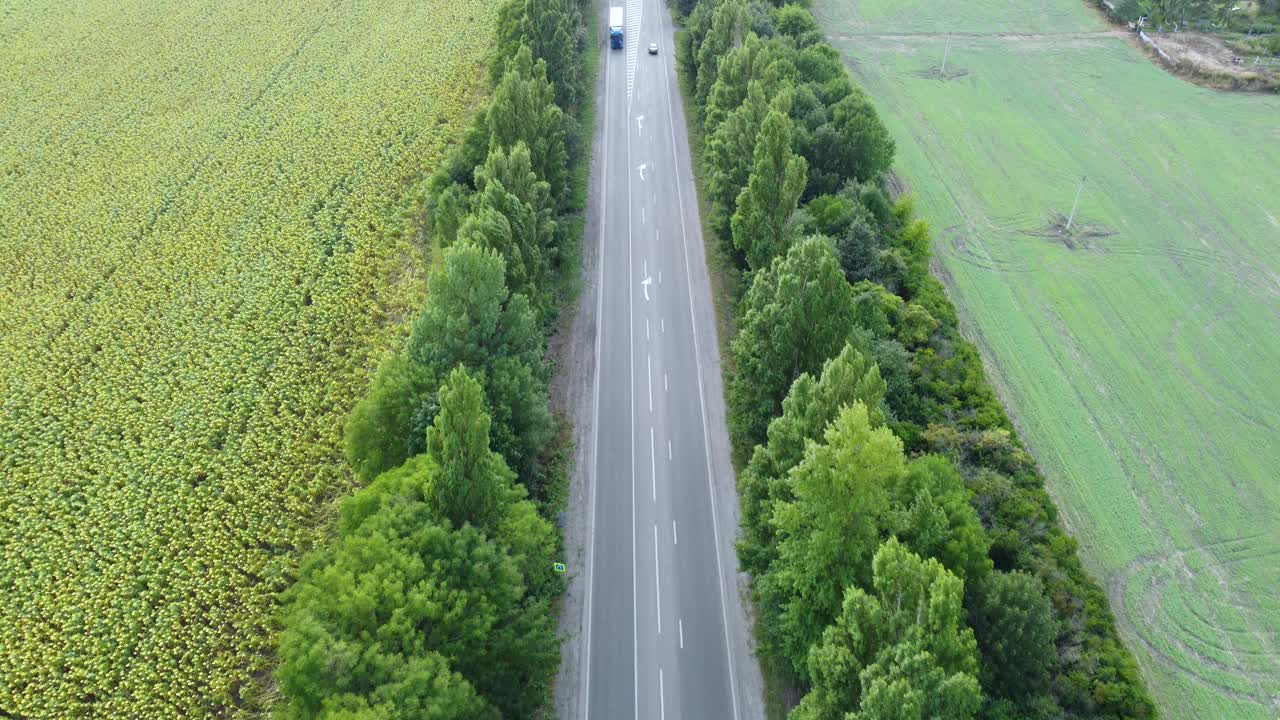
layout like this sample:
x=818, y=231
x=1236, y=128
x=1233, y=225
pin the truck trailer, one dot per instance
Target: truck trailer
x=615, y=27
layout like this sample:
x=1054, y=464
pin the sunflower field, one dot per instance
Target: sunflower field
x=202, y=257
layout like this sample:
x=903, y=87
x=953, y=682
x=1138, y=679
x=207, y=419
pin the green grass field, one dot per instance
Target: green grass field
x=199, y=267
x=1140, y=351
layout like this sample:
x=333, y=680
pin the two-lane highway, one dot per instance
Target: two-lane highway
x=664, y=629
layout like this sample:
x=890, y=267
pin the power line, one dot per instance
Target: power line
x=1075, y=204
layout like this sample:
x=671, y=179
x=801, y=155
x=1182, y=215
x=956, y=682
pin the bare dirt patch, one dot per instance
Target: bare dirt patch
x=1210, y=60
x=937, y=72
x=1079, y=235
x=1209, y=52
x=897, y=186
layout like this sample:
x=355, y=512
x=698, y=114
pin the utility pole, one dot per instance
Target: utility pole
x=1075, y=204
x=946, y=52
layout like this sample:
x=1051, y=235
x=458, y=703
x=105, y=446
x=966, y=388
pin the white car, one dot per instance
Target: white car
x=653, y=48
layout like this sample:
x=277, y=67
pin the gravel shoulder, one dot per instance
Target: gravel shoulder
x=572, y=398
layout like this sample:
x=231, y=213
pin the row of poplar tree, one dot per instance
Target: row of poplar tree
x=434, y=600
x=905, y=559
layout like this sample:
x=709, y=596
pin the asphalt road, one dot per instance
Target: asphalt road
x=664, y=632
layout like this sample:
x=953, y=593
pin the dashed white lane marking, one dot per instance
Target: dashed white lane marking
x=649, y=358
x=646, y=328
x=657, y=580
x=675, y=534
x=682, y=633
x=653, y=464
x=665, y=386
x=662, y=696
x=659, y=277
x=702, y=401
x=668, y=449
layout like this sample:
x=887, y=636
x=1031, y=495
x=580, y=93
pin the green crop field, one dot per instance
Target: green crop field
x=199, y=265
x=1139, y=351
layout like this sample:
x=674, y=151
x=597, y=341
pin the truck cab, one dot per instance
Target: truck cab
x=615, y=27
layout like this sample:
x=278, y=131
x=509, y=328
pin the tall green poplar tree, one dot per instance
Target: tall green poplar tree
x=901, y=652
x=798, y=313
x=773, y=191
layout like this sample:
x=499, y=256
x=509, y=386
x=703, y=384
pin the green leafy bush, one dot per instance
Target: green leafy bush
x=380, y=431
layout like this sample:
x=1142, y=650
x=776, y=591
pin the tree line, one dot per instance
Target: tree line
x=906, y=561
x=435, y=597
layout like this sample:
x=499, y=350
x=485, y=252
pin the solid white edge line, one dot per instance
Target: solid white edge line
x=706, y=436
x=584, y=701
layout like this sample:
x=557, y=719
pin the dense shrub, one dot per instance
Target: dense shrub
x=389, y=425
x=1013, y=623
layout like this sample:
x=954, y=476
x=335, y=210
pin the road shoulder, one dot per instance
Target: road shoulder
x=572, y=398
